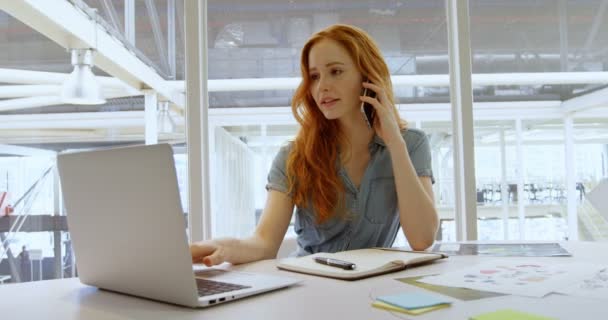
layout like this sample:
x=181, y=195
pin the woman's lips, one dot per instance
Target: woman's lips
x=330, y=103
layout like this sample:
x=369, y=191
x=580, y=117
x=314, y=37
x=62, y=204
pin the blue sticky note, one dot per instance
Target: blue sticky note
x=413, y=300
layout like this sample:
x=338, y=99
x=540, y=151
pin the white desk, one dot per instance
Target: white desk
x=315, y=298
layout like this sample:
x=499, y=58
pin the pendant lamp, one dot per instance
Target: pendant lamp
x=81, y=86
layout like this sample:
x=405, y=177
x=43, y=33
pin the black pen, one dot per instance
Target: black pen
x=336, y=263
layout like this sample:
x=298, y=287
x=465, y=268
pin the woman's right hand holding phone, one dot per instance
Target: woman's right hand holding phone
x=386, y=124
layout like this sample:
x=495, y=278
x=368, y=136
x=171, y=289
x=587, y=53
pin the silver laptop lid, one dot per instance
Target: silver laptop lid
x=126, y=222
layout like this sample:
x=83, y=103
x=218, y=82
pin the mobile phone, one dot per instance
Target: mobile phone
x=368, y=111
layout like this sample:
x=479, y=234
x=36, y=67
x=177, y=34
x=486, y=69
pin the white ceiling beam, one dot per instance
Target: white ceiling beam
x=82, y=136
x=484, y=111
x=78, y=120
x=249, y=116
x=495, y=56
x=8, y=136
x=25, y=151
x=282, y=115
x=595, y=113
x=46, y=101
x=30, y=102
x=18, y=76
x=432, y=80
x=28, y=91
x=539, y=78
x=411, y=112
x=591, y=100
x=70, y=27
x=258, y=84
x=33, y=90
x=67, y=124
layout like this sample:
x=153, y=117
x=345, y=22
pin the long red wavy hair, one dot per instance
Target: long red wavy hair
x=311, y=165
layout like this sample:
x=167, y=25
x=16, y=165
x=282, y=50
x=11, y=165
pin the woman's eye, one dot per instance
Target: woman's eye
x=337, y=72
x=314, y=77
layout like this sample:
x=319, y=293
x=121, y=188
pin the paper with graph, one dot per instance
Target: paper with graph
x=522, y=277
x=595, y=286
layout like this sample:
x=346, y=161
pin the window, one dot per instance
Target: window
x=262, y=41
x=35, y=123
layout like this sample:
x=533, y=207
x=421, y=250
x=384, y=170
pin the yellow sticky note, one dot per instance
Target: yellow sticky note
x=508, y=314
x=386, y=306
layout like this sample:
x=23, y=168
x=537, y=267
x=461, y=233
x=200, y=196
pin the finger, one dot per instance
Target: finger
x=372, y=86
x=200, y=250
x=373, y=101
x=214, y=259
x=380, y=93
x=384, y=116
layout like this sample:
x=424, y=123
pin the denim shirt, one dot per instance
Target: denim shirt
x=373, y=212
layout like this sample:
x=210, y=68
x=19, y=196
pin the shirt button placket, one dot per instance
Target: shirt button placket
x=348, y=233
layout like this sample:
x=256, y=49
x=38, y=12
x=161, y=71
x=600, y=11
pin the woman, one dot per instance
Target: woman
x=353, y=185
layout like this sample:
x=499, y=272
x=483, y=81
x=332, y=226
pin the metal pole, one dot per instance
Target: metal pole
x=15, y=270
x=504, y=192
x=57, y=234
x=130, y=21
x=158, y=34
x=570, y=153
x=110, y=11
x=151, y=115
x=171, y=38
x=461, y=97
x=197, y=120
x=519, y=150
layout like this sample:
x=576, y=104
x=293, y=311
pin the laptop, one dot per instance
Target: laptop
x=128, y=230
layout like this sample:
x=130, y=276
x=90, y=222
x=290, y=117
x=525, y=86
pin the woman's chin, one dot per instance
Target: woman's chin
x=329, y=115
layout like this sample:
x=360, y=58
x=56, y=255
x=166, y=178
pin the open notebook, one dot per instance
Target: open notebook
x=370, y=262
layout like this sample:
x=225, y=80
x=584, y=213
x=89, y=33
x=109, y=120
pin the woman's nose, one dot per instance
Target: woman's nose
x=324, y=85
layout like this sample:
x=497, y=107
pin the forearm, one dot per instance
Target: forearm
x=417, y=211
x=250, y=249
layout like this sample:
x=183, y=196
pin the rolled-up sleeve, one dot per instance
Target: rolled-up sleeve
x=277, y=176
x=419, y=149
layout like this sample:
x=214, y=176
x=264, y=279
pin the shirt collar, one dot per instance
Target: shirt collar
x=376, y=144
x=378, y=140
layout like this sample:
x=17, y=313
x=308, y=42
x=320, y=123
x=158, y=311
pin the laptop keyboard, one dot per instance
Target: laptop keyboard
x=209, y=287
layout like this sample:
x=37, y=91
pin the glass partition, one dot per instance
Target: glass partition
x=531, y=61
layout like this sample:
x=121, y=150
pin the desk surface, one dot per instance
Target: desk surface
x=314, y=298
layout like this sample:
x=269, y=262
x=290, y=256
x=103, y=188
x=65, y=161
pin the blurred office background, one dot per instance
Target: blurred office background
x=540, y=112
